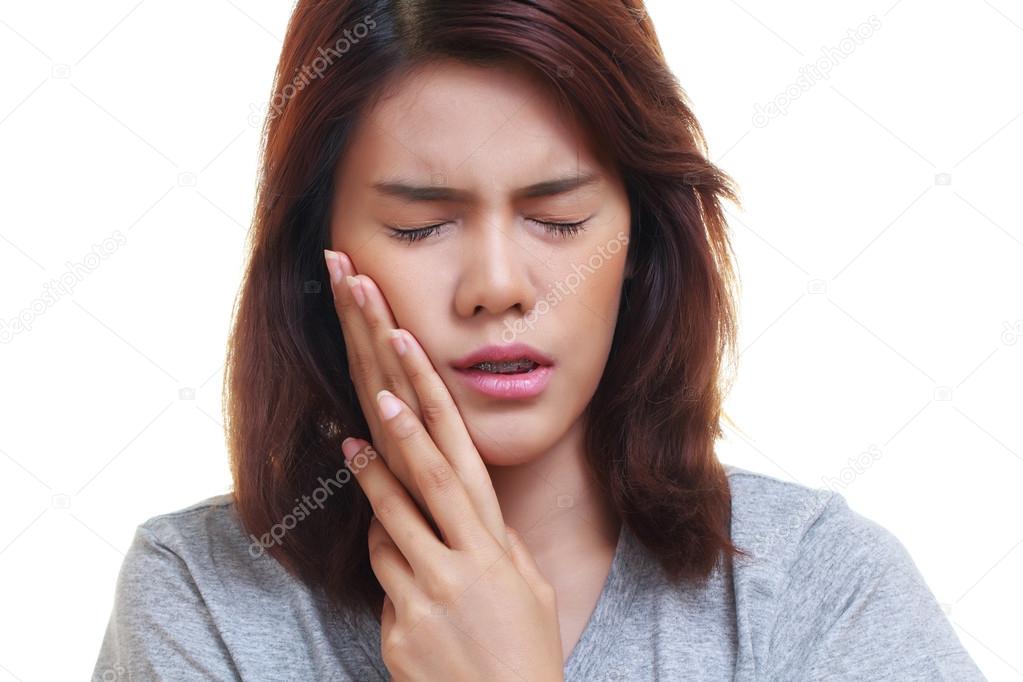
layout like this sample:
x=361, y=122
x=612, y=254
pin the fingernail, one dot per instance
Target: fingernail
x=346, y=263
x=349, y=447
x=398, y=341
x=389, y=405
x=333, y=265
x=357, y=292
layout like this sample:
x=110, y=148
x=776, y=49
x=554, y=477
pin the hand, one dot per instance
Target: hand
x=500, y=614
x=465, y=608
x=374, y=365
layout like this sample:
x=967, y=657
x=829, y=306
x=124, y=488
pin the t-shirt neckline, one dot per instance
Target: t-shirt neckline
x=608, y=614
x=602, y=627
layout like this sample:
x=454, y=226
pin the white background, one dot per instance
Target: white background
x=880, y=247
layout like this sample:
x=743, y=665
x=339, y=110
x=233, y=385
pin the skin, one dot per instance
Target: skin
x=436, y=591
x=487, y=133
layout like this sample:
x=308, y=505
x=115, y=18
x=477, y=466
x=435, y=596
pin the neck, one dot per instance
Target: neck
x=554, y=504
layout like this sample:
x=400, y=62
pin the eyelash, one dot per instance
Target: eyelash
x=559, y=229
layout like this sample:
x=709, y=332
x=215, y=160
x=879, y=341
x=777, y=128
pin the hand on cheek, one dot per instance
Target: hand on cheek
x=478, y=566
x=375, y=364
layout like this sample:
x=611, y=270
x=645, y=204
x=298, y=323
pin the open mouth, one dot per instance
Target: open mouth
x=520, y=366
x=512, y=371
x=508, y=379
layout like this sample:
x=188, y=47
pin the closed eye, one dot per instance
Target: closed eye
x=415, y=234
x=562, y=229
x=557, y=228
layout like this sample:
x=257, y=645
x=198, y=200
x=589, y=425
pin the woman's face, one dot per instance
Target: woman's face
x=484, y=145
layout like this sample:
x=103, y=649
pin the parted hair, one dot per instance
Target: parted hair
x=653, y=421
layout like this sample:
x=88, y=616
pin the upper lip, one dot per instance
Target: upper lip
x=498, y=353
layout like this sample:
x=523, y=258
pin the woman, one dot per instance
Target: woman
x=527, y=300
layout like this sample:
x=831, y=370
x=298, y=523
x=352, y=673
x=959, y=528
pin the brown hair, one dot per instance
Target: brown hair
x=654, y=418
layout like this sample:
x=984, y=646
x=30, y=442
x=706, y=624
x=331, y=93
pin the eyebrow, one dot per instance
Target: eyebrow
x=546, y=188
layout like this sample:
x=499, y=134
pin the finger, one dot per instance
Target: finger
x=444, y=423
x=387, y=616
x=363, y=353
x=382, y=369
x=392, y=505
x=446, y=497
x=380, y=323
x=525, y=563
x=390, y=566
x=359, y=349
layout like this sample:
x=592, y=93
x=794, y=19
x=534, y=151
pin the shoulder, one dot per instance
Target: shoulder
x=185, y=565
x=826, y=589
x=806, y=544
x=194, y=601
x=780, y=522
x=205, y=544
x=212, y=517
x=176, y=544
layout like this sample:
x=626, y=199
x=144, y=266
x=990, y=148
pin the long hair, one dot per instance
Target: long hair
x=654, y=418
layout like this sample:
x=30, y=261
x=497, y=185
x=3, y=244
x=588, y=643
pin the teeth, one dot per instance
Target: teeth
x=506, y=367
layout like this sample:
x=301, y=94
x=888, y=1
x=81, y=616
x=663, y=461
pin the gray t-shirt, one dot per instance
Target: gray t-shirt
x=829, y=595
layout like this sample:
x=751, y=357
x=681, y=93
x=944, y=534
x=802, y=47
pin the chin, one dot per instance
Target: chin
x=504, y=458
x=510, y=440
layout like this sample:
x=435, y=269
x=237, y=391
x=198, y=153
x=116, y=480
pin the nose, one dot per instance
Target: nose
x=495, y=273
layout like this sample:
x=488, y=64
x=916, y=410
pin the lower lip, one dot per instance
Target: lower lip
x=509, y=386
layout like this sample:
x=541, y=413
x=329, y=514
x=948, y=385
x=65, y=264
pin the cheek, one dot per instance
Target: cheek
x=406, y=286
x=590, y=314
x=414, y=308
x=593, y=282
x=605, y=294
x=590, y=330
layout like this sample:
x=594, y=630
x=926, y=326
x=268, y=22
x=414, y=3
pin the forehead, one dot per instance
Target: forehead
x=471, y=125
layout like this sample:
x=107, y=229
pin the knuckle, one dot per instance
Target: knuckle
x=392, y=650
x=441, y=585
x=404, y=427
x=344, y=305
x=393, y=383
x=547, y=595
x=413, y=370
x=388, y=505
x=436, y=476
x=435, y=404
x=371, y=321
x=360, y=362
x=376, y=532
x=378, y=552
x=433, y=413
